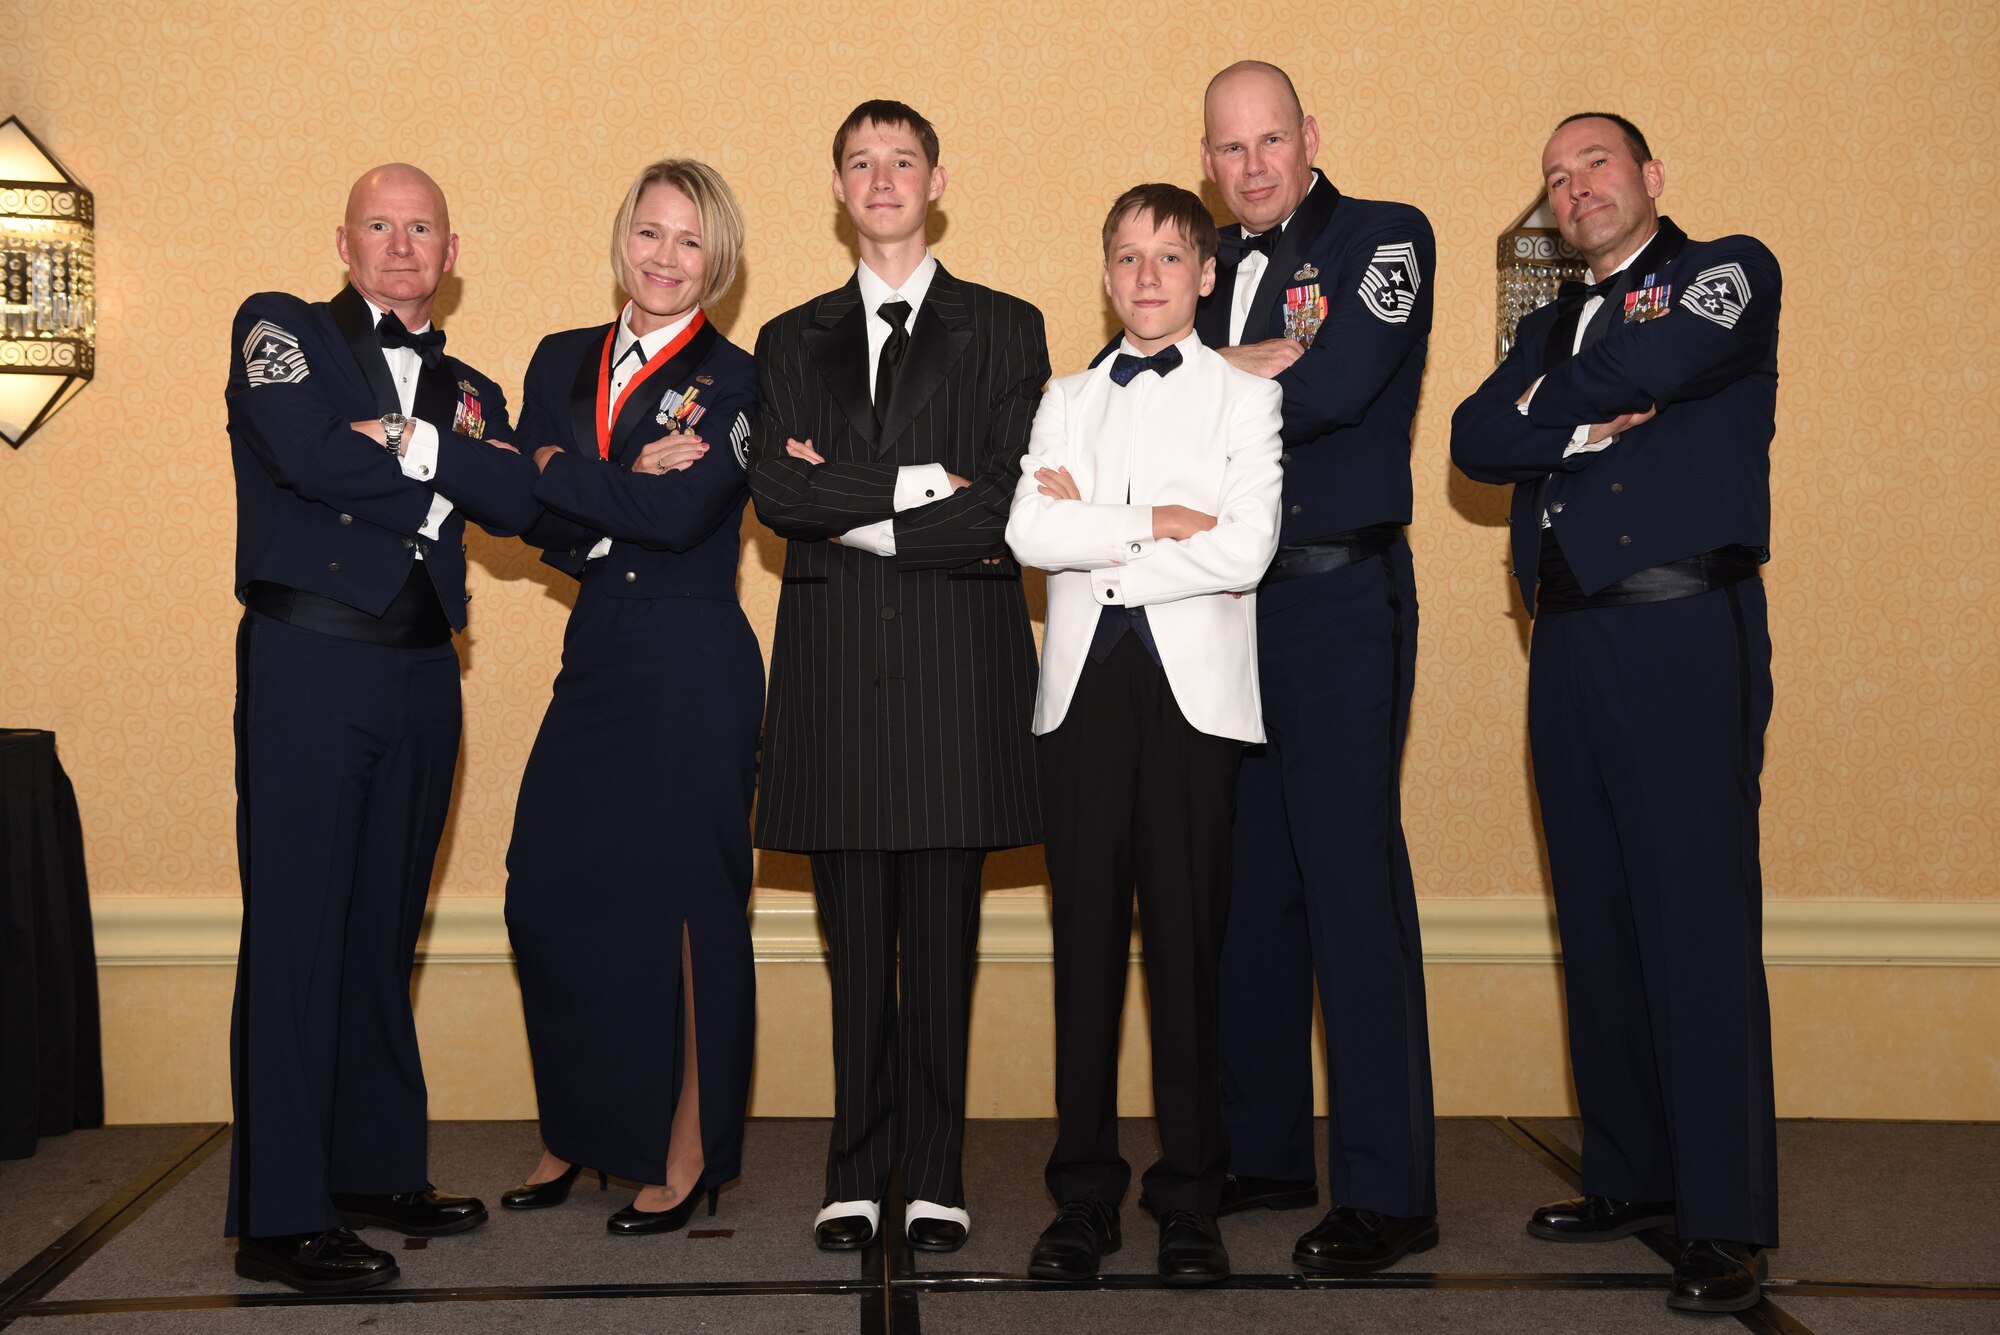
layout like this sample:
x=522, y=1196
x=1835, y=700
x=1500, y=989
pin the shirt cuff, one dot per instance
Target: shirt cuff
x=419, y=458
x=1579, y=442
x=878, y=538
x=440, y=511
x=602, y=547
x=919, y=484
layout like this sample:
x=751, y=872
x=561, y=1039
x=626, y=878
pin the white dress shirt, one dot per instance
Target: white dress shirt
x=1250, y=272
x=419, y=458
x=916, y=484
x=629, y=354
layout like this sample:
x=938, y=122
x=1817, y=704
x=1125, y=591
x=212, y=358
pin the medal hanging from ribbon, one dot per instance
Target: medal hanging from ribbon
x=1305, y=310
x=678, y=406
x=1649, y=302
x=607, y=412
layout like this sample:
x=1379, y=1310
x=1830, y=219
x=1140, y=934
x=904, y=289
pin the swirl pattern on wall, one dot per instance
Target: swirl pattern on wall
x=219, y=144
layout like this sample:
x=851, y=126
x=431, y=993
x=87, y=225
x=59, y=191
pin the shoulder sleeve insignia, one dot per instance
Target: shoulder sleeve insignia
x=271, y=356
x=1389, y=288
x=739, y=440
x=1720, y=294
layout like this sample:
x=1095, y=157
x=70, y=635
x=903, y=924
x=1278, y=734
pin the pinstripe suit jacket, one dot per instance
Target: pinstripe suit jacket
x=901, y=687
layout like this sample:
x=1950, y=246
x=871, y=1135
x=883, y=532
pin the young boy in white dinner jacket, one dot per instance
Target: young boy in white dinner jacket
x=1150, y=493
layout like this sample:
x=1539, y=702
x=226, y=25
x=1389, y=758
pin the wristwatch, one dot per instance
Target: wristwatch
x=393, y=427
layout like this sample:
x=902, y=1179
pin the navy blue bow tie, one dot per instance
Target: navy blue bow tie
x=1124, y=366
x=429, y=345
x=1239, y=247
x=1571, y=295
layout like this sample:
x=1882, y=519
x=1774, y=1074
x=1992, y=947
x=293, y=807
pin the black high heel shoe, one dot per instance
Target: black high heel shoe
x=542, y=1195
x=631, y=1220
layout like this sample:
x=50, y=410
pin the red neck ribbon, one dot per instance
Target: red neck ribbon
x=606, y=413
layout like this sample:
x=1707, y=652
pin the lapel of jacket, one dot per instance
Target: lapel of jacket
x=435, y=401
x=357, y=325
x=837, y=341
x=937, y=342
x=583, y=393
x=642, y=400
x=1308, y=221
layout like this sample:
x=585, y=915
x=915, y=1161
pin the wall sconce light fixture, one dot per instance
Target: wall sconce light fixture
x=1534, y=261
x=48, y=289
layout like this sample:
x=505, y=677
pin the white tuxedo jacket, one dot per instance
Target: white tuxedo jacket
x=1204, y=436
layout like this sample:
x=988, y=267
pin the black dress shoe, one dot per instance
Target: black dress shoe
x=1598, y=1219
x=1348, y=1239
x=1190, y=1250
x=1711, y=1276
x=935, y=1235
x=331, y=1262
x=542, y=1195
x=421, y=1214
x=631, y=1221
x=1266, y=1193
x=843, y=1232
x=1084, y=1233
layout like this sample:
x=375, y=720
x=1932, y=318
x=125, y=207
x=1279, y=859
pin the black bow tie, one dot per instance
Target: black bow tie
x=1241, y=246
x=1125, y=366
x=429, y=345
x=1572, y=295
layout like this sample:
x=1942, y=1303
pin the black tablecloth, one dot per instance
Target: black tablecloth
x=51, y=1060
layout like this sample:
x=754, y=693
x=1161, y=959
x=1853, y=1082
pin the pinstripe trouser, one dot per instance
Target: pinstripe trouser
x=899, y=1069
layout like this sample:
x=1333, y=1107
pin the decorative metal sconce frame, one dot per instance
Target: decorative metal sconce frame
x=1533, y=260
x=48, y=284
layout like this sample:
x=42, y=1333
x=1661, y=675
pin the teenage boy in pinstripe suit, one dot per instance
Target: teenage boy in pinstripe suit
x=893, y=415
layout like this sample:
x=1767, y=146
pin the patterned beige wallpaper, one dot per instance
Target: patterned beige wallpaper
x=1857, y=140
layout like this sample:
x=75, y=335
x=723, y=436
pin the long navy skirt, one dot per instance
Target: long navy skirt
x=634, y=821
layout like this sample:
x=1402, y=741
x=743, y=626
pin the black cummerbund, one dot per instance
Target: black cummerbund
x=413, y=619
x=1323, y=554
x=1558, y=590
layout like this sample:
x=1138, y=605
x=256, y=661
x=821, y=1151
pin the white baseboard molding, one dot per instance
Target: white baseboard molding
x=1014, y=928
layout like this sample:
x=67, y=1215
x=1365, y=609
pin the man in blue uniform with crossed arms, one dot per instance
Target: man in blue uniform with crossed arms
x=1634, y=418
x=360, y=447
x=1329, y=296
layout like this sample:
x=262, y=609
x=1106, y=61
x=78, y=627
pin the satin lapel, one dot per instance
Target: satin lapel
x=837, y=341
x=357, y=324
x=937, y=343
x=1308, y=221
x=1211, y=318
x=436, y=401
x=1562, y=337
x=642, y=402
x=583, y=393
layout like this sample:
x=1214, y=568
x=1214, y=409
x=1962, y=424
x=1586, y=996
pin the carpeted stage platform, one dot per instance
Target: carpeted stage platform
x=1889, y=1227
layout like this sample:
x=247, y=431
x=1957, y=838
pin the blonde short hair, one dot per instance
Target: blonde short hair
x=714, y=203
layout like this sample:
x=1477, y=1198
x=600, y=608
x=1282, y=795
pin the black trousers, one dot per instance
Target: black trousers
x=344, y=757
x=1132, y=792
x=1323, y=892
x=1647, y=726
x=899, y=1068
